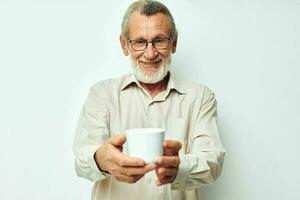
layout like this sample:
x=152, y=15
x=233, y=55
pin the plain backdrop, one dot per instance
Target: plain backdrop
x=247, y=52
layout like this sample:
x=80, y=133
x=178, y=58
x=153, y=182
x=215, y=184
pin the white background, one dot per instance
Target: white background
x=247, y=52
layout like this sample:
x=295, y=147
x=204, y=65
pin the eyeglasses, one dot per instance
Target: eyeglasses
x=141, y=45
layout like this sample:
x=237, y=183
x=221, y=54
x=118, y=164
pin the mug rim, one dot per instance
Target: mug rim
x=145, y=130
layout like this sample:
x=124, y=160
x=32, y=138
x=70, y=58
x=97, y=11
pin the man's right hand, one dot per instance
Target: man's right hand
x=109, y=158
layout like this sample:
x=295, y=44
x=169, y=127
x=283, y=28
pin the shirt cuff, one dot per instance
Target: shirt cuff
x=100, y=174
x=183, y=171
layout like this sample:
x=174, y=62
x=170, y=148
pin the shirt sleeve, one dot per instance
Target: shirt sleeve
x=92, y=131
x=202, y=165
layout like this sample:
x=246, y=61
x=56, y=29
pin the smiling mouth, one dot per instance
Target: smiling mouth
x=151, y=63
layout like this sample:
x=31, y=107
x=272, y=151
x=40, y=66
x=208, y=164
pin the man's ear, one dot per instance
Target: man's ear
x=124, y=46
x=174, y=44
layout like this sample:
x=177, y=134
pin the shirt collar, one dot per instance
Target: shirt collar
x=173, y=84
x=129, y=79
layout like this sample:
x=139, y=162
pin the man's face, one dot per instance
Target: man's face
x=150, y=65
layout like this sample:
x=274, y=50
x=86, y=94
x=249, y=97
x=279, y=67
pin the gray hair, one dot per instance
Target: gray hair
x=148, y=8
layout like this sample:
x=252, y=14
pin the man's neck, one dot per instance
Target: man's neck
x=155, y=88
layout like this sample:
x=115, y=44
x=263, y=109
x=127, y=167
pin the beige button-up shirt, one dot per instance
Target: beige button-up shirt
x=186, y=111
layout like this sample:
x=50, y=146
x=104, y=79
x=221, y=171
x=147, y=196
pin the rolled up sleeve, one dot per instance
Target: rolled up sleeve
x=92, y=131
x=202, y=165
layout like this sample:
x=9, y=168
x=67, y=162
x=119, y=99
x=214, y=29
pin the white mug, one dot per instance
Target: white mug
x=145, y=143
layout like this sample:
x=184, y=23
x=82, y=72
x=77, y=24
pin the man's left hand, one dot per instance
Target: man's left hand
x=168, y=164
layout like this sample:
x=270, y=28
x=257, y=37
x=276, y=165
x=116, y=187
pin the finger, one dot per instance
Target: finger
x=169, y=161
x=165, y=181
x=165, y=172
x=120, y=148
x=127, y=179
x=137, y=171
x=158, y=174
x=170, y=152
x=174, y=145
x=117, y=140
x=126, y=161
x=161, y=174
x=137, y=177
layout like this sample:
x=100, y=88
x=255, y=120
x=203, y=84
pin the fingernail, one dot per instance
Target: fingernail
x=158, y=183
x=141, y=163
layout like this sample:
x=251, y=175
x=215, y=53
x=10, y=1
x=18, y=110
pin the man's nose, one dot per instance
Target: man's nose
x=150, y=52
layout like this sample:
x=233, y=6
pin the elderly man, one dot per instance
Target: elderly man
x=150, y=97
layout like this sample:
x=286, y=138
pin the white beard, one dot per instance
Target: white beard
x=153, y=77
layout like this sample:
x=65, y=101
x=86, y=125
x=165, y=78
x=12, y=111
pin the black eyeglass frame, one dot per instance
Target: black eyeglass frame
x=152, y=41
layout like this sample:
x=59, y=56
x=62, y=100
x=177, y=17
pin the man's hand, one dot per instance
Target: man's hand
x=168, y=164
x=109, y=158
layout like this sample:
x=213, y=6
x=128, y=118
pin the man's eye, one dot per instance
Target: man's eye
x=158, y=40
x=139, y=42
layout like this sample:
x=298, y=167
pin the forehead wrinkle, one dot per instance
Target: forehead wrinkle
x=159, y=26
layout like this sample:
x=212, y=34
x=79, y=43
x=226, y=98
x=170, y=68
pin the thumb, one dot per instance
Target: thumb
x=117, y=140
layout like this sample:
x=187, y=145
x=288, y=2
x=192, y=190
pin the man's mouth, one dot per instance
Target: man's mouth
x=150, y=63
